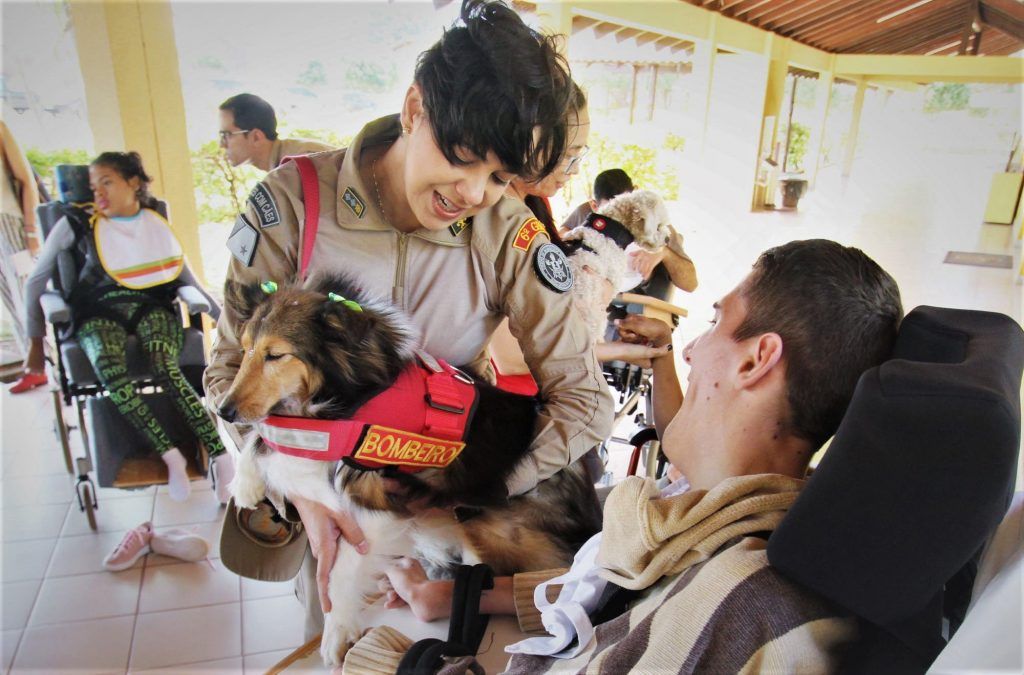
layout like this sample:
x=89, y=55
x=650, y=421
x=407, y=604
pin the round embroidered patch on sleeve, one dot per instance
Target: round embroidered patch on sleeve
x=553, y=268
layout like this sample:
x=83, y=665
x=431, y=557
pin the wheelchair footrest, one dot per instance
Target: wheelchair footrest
x=124, y=458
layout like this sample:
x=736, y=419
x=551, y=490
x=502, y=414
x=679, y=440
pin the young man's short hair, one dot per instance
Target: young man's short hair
x=495, y=84
x=837, y=312
x=611, y=183
x=252, y=112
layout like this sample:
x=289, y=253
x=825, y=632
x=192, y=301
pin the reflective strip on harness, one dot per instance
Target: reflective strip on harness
x=432, y=402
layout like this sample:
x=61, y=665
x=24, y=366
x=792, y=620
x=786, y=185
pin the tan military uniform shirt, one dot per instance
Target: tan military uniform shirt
x=286, y=147
x=456, y=286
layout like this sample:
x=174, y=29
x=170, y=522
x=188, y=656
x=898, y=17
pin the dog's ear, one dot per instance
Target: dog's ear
x=243, y=298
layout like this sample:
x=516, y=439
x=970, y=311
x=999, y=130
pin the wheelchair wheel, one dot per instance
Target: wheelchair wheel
x=86, y=492
x=60, y=429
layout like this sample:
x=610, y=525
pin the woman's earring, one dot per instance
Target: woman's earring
x=406, y=130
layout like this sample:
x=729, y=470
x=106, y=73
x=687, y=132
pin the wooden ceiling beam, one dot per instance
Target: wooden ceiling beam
x=934, y=28
x=581, y=23
x=971, y=17
x=740, y=12
x=841, y=35
x=1008, y=17
x=646, y=38
x=826, y=18
x=756, y=16
x=730, y=7
x=605, y=28
x=790, y=14
x=626, y=34
x=853, y=38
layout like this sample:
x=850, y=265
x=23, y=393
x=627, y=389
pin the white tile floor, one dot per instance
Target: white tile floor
x=62, y=613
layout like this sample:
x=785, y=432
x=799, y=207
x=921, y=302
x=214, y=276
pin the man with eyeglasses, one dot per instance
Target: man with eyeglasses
x=248, y=134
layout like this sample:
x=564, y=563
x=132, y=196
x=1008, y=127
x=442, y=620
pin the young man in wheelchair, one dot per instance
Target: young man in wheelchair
x=129, y=264
x=678, y=579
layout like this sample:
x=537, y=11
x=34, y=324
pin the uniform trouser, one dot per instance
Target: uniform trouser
x=161, y=336
x=306, y=592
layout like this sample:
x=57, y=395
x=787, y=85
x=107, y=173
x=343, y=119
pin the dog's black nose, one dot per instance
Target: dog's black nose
x=228, y=412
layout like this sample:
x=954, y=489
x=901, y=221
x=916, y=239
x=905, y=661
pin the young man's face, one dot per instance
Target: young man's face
x=714, y=358
x=238, y=143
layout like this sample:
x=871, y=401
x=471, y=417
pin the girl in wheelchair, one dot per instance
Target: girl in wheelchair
x=129, y=265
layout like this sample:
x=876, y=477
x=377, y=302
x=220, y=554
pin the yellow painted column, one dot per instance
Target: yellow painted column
x=777, y=51
x=825, y=81
x=704, y=57
x=129, y=62
x=556, y=18
x=851, y=142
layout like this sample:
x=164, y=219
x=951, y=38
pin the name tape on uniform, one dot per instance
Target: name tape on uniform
x=266, y=207
x=528, y=231
x=392, y=446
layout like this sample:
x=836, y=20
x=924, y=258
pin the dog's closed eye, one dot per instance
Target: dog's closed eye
x=274, y=357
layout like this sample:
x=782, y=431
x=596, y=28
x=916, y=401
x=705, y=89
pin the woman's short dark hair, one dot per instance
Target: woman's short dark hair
x=494, y=84
x=128, y=165
x=252, y=112
x=837, y=312
x=611, y=183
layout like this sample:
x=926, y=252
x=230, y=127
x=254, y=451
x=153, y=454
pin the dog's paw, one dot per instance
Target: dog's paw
x=337, y=639
x=247, y=493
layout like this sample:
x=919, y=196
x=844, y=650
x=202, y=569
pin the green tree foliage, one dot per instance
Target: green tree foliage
x=371, y=77
x=44, y=163
x=798, y=147
x=220, y=188
x=945, y=96
x=313, y=76
x=641, y=163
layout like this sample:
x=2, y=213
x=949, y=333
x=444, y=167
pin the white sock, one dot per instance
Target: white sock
x=224, y=470
x=178, y=484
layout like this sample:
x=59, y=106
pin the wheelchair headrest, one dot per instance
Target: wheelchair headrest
x=73, y=183
x=918, y=476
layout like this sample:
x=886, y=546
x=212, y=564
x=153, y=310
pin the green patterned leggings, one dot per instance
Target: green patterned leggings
x=161, y=336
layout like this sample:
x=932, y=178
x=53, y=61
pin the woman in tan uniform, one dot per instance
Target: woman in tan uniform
x=413, y=211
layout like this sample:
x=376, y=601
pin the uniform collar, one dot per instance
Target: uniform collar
x=354, y=195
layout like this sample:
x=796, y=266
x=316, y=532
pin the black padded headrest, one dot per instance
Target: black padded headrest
x=918, y=476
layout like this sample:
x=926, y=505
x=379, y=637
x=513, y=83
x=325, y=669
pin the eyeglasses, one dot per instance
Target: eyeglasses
x=225, y=135
x=574, y=162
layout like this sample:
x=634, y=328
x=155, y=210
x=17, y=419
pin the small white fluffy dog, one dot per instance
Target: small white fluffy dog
x=602, y=268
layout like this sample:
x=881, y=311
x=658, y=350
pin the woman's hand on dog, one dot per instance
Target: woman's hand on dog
x=324, y=527
x=407, y=585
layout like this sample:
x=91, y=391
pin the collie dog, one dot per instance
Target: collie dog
x=324, y=350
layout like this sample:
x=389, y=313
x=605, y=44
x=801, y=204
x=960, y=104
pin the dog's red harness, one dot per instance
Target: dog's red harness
x=419, y=422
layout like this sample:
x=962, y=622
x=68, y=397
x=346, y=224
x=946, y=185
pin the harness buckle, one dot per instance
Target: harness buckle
x=446, y=408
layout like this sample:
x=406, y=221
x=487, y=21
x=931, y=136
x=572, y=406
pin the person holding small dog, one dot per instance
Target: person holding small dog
x=415, y=215
x=678, y=581
x=131, y=264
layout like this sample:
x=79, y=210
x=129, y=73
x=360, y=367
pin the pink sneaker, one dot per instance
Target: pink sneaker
x=134, y=545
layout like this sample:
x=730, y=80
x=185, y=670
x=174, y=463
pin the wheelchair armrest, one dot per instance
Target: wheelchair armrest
x=55, y=308
x=194, y=300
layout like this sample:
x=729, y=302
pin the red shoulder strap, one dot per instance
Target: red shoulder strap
x=311, y=200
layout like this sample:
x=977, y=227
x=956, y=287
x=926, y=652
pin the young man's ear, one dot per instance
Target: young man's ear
x=412, y=108
x=763, y=356
x=258, y=135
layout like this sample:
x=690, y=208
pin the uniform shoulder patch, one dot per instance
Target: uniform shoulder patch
x=528, y=231
x=266, y=207
x=354, y=202
x=243, y=240
x=553, y=268
x=457, y=228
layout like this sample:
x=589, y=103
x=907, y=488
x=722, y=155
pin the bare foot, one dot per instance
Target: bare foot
x=407, y=584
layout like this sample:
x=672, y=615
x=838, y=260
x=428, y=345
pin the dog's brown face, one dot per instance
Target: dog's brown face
x=311, y=352
x=273, y=375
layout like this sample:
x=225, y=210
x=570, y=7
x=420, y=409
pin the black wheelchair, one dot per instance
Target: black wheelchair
x=123, y=456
